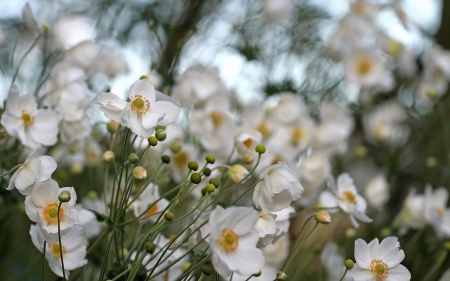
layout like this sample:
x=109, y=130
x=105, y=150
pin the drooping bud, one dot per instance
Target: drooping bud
x=64, y=196
x=237, y=173
x=196, y=178
x=112, y=127
x=210, y=159
x=152, y=141
x=108, y=156
x=139, y=173
x=207, y=172
x=206, y=270
x=160, y=134
x=215, y=182
x=176, y=146
x=133, y=158
x=323, y=217
x=281, y=276
x=349, y=264
x=261, y=149
x=192, y=165
x=165, y=159
x=149, y=247
x=169, y=216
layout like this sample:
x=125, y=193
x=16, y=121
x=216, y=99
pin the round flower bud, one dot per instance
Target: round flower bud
x=165, y=159
x=210, y=159
x=257, y=274
x=139, y=173
x=214, y=182
x=149, y=247
x=143, y=77
x=76, y=169
x=281, y=276
x=193, y=165
x=206, y=270
x=123, y=254
x=64, y=196
x=152, y=141
x=176, y=146
x=185, y=266
x=431, y=162
x=210, y=188
x=323, y=217
x=207, y=172
x=385, y=232
x=160, y=134
x=204, y=192
x=169, y=216
x=349, y=264
x=350, y=233
x=112, y=127
x=248, y=159
x=92, y=195
x=360, y=151
x=447, y=245
x=45, y=28
x=261, y=149
x=196, y=178
x=237, y=173
x=108, y=156
x=133, y=158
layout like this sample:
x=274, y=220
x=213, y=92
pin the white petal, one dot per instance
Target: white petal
x=110, y=101
x=144, y=88
x=390, y=253
x=27, y=175
x=35, y=153
x=360, y=274
x=151, y=119
x=48, y=166
x=45, y=192
x=28, y=101
x=170, y=110
x=398, y=273
x=45, y=127
x=362, y=254
x=374, y=247
x=13, y=102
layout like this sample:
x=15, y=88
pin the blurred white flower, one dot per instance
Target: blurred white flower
x=233, y=241
x=379, y=261
x=435, y=210
x=29, y=21
x=37, y=168
x=246, y=141
x=365, y=69
x=411, y=215
x=377, y=191
x=278, y=11
x=333, y=262
x=71, y=30
x=267, y=228
x=289, y=109
x=278, y=188
x=148, y=197
x=23, y=120
x=88, y=221
x=364, y=8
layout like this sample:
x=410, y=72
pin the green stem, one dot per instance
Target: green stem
x=249, y=278
x=345, y=273
x=436, y=266
x=43, y=261
x=311, y=208
x=12, y=170
x=121, y=274
x=60, y=244
x=22, y=60
x=99, y=240
x=145, y=186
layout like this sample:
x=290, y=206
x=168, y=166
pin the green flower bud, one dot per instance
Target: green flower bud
x=207, y=172
x=133, y=158
x=349, y=264
x=45, y=28
x=196, y=178
x=64, y=196
x=193, y=165
x=261, y=149
x=143, y=77
x=350, y=233
x=281, y=276
x=176, y=146
x=152, y=141
x=112, y=127
x=385, y=232
x=92, y=195
x=257, y=274
x=108, y=156
x=431, y=162
x=210, y=159
x=447, y=245
x=165, y=159
x=160, y=134
x=215, y=182
x=360, y=151
x=169, y=216
x=210, y=188
x=149, y=247
x=206, y=270
x=185, y=266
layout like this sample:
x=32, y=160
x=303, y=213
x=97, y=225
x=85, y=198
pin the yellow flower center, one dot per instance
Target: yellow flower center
x=51, y=213
x=264, y=129
x=296, y=136
x=54, y=249
x=139, y=104
x=380, y=132
x=229, y=240
x=27, y=118
x=217, y=118
x=181, y=159
x=359, y=8
x=379, y=269
x=440, y=211
x=364, y=66
x=152, y=210
x=248, y=143
x=349, y=196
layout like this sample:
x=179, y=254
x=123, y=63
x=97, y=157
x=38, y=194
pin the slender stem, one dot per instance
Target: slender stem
x=22, y=59
x=436, y=265
x=43, y=261
x=249, y=278
x=99, y=240
x=12, y=170
x=303, y=242
x=201, y=277
x=311, y=208
x=60, y=244
x=343, y=275
x=121, y=274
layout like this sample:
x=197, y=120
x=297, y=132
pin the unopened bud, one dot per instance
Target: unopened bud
x=149, y=247
x=257, y=274
x=206, y=270
x=360, y=151
x=160, y=134
x=193, y=165
x=45, y=28
x=350, y=233
x=165, y=159
x=210, y=188
x=432, y=94
x=153, y=141
x=112, y=127
x=176, y=146
x=210, y=159
x=64, y=196
x=385, y=232
x=215, y=182
x=196, y=178
x=237, y=173
x=248, y=159
x=143, y=77
x=207, y=172
x=169, y=216
x=281, y=276
x=139, y=173
x=349, y=264
x=431, y=162
x=323, y=217
x=108, y=156
x=261, y=149
x=76, y=169
x=133, y=158
x=92, y=195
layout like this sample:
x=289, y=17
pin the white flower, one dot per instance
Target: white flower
x=42, y=205
x=379, y=261
x=29, y=21
x=267, y=228
x=445, y=276
x=411, y=215
x=347, y=198
x=365, y=69
x=144, y=110
x=149, y=196
x=435, y=211
x=69, y=31
x=246, y=141
x=88, y=221
x=74, y=245
x=233, y=241
x=333, y=262
x=37, y=168
x=283, y=221
x=278, y=11
x=278, y=188
x=377, y=191
x=23, y=120
x=289, y=109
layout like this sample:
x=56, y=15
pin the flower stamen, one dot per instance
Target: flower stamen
x=349, y=196
x=51, y=213
x=230, y=240
x=27, y=118
x=139, y=104
x=380, y=269
x=54, y=249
